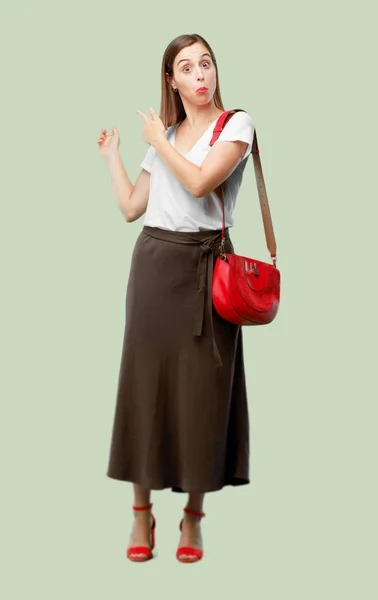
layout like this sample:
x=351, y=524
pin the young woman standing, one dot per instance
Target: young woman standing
x=181, y=417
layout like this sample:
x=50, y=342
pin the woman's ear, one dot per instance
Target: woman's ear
x=171, y=83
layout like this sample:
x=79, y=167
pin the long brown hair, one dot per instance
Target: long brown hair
x=171, y=107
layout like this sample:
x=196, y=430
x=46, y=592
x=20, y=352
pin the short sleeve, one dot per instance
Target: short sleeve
x=147, y=162
x=240, y=127
x=148, y=159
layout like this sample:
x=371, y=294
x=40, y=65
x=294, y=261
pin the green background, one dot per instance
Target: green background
x=306, y=526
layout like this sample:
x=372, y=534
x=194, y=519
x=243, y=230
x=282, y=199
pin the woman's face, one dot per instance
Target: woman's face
x=193, y=69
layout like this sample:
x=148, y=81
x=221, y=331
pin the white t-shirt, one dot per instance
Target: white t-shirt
x=171, y=206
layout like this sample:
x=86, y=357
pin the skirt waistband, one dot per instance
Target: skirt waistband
x=186, y=237
x=209, y=242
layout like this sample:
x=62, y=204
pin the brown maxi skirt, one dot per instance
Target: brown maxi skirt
x=181, y=416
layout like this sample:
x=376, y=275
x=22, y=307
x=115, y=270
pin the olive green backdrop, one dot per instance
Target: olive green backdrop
x=306, y=526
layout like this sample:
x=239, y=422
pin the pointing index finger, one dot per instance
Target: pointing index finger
x=139, y=112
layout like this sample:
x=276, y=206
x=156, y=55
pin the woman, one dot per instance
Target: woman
x=181, y=418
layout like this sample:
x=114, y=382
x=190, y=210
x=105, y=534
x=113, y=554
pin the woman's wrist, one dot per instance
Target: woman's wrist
x=112, y=157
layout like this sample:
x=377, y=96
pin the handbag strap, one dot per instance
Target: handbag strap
x=264, y=205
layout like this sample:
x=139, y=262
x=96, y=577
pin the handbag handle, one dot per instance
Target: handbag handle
x=264, y=205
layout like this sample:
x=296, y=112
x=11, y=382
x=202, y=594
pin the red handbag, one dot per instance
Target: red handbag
x=246, y=291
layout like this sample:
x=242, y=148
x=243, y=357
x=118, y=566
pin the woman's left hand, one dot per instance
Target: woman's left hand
x=153, y=128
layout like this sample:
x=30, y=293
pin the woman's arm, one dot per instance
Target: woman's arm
x=132, y=199
x=217, y=166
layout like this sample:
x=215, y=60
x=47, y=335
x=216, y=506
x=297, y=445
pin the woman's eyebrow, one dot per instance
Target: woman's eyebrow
x=203, y=54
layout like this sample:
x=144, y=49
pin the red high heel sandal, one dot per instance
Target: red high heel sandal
x=195, y=554
x=144, y=550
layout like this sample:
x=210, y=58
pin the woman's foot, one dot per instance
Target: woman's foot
x=191, y=536
x=141, y=531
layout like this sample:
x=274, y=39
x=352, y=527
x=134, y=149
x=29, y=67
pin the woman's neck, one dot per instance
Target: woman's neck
x=199, y=120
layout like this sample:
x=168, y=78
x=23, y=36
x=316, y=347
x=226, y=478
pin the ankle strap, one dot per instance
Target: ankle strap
x=193, y=512
x=142, y=507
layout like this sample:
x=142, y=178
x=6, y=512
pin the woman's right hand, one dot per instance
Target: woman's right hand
x=108, y=142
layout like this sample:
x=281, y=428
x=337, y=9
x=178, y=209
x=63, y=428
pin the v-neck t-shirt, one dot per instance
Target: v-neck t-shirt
x=171, y=206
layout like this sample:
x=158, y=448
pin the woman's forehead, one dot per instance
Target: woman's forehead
x=191, y=53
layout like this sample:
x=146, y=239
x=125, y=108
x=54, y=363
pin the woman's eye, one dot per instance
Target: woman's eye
x=187, y=66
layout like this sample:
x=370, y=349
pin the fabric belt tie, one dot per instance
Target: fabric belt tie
x=204, y=274
x=205, y=280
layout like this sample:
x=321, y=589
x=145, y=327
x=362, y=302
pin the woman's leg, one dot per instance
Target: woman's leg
x=191, y=527
x=195, y=502
x=142, y=496
x=140, y=535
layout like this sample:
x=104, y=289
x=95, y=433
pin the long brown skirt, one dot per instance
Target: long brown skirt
x=181, y=416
